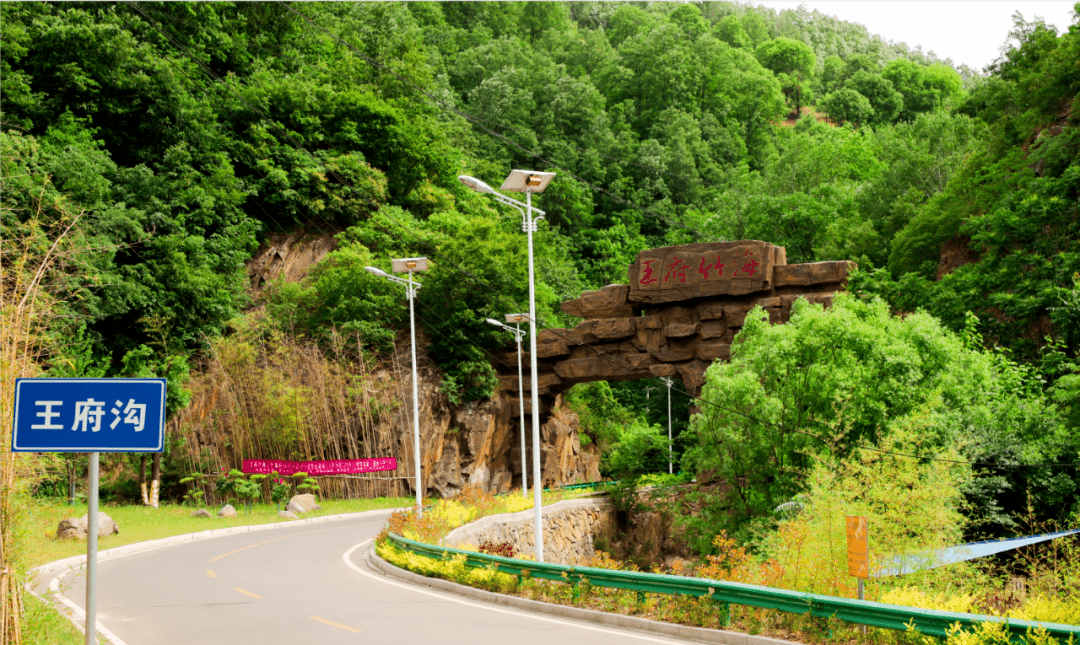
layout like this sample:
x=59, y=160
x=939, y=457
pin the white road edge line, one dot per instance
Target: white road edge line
x=80, y=616
x=525, y=614
x=75, y=563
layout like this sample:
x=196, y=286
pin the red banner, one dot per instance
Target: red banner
x=317, y=468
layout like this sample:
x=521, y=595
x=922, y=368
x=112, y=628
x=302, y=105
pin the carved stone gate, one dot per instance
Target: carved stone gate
x=679, y=313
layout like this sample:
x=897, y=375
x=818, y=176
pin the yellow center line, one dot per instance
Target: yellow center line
x=338, y=625
x=210, y=572
x=246, y=592
x=252, y=546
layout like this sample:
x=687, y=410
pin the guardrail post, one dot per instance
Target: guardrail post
x=724, y=613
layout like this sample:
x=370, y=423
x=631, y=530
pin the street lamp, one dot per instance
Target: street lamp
x=409, y=265
x=518, y=335
x=667, y=381
x=528, y=182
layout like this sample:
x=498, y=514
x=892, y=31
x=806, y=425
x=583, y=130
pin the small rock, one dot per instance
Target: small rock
x=105, y=525
x=289, y=515
x=202, y=512
x=227, y=511
x=302, y=503
x=71, y=528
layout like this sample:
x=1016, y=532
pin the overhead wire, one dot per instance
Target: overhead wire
x=490, y=132
x=483, y=126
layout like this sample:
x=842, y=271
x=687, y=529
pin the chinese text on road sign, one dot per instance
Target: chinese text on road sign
x=89, y=415
x=858, y=546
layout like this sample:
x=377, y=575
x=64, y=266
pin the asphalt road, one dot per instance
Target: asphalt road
x=302, y=585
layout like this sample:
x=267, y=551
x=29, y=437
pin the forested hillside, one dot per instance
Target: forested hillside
x=149, y=148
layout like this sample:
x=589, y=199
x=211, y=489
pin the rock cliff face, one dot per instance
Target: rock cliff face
x=479, y=444
x=679, y=313
x=474, y=444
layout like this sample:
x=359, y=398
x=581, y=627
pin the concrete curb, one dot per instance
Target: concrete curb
x=150, y=545
x=53, y=570
x=699, y=634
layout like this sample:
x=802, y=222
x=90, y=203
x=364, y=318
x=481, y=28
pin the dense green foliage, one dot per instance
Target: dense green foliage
x=832, y=381
x=174, y=138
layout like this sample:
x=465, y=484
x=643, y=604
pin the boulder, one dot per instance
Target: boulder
x=289, y=515
x=202, y=512
x=227, y=511
x=614, y=328
x=105, y=524
x=549, y=344
x=302, y=504
x=71, y=528
x=609, y=302
x=813, y=273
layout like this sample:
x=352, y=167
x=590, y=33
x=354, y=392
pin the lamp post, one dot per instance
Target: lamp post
x=409, y=265
x=518, y=335
x=528, y=182
x=667, y=381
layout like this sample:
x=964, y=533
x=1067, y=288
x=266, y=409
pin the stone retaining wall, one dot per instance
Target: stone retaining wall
x=569, y=528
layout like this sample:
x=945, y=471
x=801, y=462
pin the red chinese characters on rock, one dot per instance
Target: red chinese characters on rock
x=648, y=277
x=677, y=269
x=704, y=269
x=683, y=269
x=749, y=269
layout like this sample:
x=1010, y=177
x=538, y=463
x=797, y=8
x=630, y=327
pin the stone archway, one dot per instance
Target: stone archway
x=679, y=312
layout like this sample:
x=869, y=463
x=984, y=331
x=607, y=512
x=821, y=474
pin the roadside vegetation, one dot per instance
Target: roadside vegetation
x=811, y=557
x=142, y=523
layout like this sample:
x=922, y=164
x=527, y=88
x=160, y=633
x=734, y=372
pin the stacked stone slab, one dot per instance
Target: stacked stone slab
x=679, y=313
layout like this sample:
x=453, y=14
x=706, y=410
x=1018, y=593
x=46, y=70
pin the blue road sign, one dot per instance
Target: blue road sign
x=89, y=415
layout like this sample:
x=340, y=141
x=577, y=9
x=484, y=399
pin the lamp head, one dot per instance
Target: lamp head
x=407, y=265
x=533, y=181
x=492, y=321
x=376, y=271
x=476, y=184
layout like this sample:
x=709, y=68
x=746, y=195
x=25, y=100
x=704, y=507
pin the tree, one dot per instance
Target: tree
x=689, y=20
x=924, y=88
x=754, y=26
x=885, y=101
x=831, y=76
x=540, y=17
x=848, y=106
x=831, y=381
x=730, y=30
x=793, y=62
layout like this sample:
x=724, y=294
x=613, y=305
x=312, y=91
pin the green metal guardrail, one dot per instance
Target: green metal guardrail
x=876, y=614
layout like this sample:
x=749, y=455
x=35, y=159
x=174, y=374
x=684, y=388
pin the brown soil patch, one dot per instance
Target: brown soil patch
x=955, y=253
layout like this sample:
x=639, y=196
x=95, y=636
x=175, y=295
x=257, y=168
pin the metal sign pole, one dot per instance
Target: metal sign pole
x=521, y=416
x=862, y=596
x=91, y=551
x=670, y=470
x=75, y=415
x=415, y=400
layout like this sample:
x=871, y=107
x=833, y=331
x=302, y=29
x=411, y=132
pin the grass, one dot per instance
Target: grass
x=44, y=625
x=140, y=523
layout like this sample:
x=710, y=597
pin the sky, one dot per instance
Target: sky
x=969, y=33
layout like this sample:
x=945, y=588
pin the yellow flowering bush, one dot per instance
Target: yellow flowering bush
x=1050, y=609
x=451, y=568
x=910, y=596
